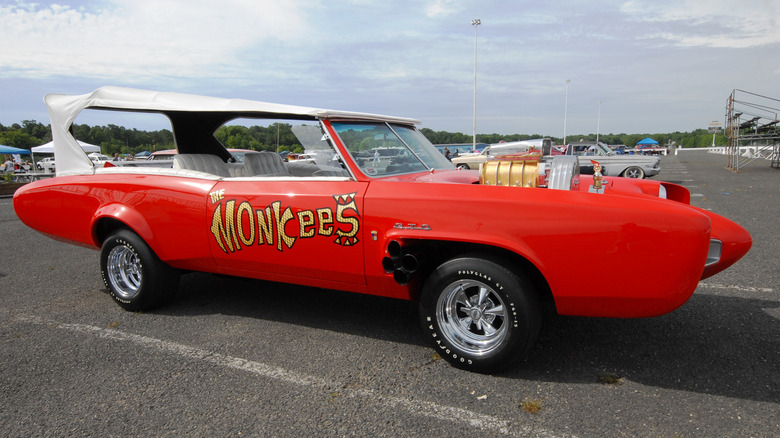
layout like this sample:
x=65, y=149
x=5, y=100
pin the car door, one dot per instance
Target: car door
x=289, y=228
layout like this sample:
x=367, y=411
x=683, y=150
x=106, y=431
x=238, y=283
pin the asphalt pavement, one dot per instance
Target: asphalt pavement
x=236, y=357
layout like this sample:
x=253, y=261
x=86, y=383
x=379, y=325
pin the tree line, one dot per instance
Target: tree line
x=695, y=139
x=279, y=137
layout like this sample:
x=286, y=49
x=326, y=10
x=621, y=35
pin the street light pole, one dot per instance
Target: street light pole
x=475, y=22
x=566, y=111
x=598, y=123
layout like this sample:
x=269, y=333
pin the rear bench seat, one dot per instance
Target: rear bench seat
x=263, y=163
x=255, y=164
x=202, y=162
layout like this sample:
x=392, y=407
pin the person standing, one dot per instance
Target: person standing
x=8, y=166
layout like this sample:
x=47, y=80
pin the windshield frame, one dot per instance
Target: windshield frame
x=372, y=153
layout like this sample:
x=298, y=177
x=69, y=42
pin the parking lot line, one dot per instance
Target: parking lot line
x=414, y=407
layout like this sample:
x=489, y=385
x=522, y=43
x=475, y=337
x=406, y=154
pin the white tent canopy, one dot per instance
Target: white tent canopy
x=48, y=148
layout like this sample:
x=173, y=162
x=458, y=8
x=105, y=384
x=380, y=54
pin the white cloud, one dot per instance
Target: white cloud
x=408, y=57
x=441, y=8
x=713, y=23
x=142, y=37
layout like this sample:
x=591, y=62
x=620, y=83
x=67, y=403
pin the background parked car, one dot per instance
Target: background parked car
x=46, y=164
x=98, y=159
x=457, y=149
x=472, y=160
x=630, y=166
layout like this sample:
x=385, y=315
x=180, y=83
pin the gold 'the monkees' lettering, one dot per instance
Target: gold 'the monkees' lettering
x=236, y=225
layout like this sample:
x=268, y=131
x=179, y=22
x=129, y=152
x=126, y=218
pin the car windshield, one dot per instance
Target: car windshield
x=605, y=150
x=383, y=149
x=592, y=149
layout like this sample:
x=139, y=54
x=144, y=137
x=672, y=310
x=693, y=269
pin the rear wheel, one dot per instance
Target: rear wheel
x=136, y=278
x=634, y=172
x=479, y=315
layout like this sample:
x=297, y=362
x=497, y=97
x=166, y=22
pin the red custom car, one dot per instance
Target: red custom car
x=379, y=211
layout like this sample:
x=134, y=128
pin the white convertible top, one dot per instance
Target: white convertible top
x=63, y=109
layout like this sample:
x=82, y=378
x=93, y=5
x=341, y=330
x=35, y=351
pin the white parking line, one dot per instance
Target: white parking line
x=736, y=287
x=482, y=422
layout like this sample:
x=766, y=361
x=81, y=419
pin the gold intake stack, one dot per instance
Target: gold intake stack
x=514, y=171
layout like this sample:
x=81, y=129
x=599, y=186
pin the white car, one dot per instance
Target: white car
x=98, y=159
x=46, y=165
x=473, y=160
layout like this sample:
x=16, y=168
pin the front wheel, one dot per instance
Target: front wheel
x=634, y=172
x=136, y=278
x=479, y=315
x=463, y=166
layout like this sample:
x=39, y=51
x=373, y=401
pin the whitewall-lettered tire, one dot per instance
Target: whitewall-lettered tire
x=479, y=315
x=136, y=278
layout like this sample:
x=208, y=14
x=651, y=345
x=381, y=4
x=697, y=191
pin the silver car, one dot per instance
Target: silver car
x=630, y=166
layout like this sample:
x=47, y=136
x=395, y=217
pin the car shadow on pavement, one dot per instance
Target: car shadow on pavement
x=716, y=345
x=358, y=314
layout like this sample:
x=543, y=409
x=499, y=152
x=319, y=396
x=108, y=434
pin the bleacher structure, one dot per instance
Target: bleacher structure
x=752, y=129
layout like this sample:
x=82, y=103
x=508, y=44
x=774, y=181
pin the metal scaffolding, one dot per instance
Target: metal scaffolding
x=752, y=129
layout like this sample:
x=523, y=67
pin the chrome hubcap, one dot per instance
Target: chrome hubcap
x=124, y=271
x=472, y=317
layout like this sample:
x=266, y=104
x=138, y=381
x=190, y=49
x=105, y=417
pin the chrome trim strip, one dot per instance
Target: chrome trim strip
x=713, y=255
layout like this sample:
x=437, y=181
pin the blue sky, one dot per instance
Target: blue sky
x=655, y=65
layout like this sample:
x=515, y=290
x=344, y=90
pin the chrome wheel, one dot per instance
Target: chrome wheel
x=133, y=274
x=124, y=271
x=472, y=317
x=634, y=172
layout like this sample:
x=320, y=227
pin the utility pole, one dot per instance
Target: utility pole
x=566, y=111
x=475, y=22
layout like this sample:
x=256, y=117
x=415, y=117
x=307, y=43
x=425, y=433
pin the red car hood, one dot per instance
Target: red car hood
x=440, y=176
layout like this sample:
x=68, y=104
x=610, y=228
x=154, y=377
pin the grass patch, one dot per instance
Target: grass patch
x=610, y=379
x=531, y=406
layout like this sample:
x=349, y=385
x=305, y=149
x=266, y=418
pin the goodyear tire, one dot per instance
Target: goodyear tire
x=135, y=277
x=479, y=315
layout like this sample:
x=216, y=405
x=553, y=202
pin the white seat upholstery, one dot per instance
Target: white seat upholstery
x=306, y=168
x=236, y=169
x=331, y=172
x=201, y=162
x=265, y=163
